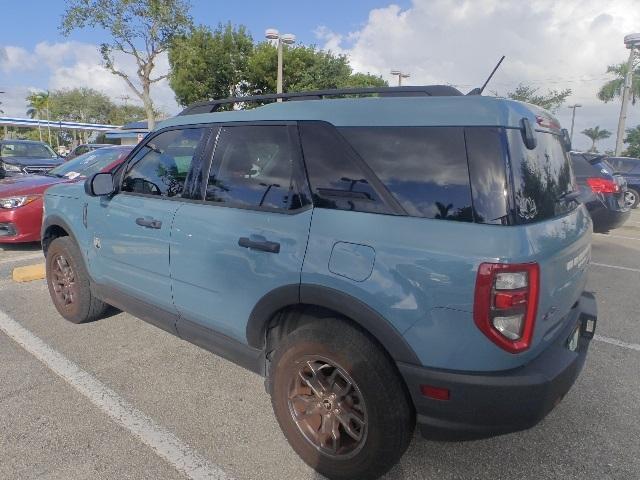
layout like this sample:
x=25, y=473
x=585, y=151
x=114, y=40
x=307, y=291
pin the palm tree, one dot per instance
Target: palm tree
x=39, y=105
x=613, y=88
x=596, y=134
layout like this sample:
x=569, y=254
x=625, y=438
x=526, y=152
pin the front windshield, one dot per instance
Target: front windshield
x=87, y=164
x=31, y=150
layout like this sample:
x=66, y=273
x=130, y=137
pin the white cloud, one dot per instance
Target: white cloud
x=548, y=44
x=74, y=64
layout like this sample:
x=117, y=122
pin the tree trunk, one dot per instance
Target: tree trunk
x=148, y=106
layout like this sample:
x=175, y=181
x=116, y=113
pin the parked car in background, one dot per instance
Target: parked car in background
x=602, y=191
x=629, y=168
x=22, y=157
x=325, y=244
x=21, y=197
x=85, y=148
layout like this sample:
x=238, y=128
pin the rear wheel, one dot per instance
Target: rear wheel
x=68, y=283
x=340, y=401
x=632, y=198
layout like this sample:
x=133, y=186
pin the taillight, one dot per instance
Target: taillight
x=602, y=185
x=506, y=302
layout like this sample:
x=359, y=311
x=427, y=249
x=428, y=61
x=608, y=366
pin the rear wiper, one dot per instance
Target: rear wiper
x=570, y=195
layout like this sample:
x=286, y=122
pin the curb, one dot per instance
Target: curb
x=29, y=273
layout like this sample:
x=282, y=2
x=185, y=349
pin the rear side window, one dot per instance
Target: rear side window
x=424, y=168
x=338, y=178
x=541, y=176
x=256, y=167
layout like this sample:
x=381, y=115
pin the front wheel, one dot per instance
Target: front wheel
x=68, y=283
x=340, y=401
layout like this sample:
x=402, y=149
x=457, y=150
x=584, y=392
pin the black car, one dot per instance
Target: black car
x=20, y=157
x=629, y=168
x=85, y=148
x=601, y=191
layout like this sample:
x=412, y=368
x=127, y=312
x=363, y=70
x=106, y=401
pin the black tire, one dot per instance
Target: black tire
x=69, y=285
x=636, y=194
x=388, y=411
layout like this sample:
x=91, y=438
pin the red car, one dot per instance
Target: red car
x=21, y=196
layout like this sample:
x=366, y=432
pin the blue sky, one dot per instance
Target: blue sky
x=548, y=44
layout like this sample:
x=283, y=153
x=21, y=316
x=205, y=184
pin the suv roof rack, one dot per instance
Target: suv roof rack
x=407, y=91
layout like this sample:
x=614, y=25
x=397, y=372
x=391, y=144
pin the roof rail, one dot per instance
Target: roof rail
x=406, y=91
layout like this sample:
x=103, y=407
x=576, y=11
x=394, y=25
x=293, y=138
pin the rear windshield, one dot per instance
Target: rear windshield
x=541, y=177
x=581, y=167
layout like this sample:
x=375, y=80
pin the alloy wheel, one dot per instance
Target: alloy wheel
x=328, y=407
x=63, y=281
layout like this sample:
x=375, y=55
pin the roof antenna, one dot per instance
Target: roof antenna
x=478, y=91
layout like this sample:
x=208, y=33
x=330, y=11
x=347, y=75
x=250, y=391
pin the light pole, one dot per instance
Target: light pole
x=632, y=42
x=288, y=38
x=400, y=75
x=573, y=118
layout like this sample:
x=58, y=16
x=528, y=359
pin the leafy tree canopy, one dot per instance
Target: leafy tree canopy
x=595, y=134
x=226, y=62
x=633, y=142
x=613, y=88
x=551, y=100
x=142, y=29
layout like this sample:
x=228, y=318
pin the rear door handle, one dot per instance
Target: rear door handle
x=264, y=245
x=149, y=223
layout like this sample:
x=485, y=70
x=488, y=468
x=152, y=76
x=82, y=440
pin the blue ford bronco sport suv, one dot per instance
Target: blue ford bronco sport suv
x=416, y=256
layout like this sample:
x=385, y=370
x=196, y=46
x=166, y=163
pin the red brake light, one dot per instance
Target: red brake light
x=506, y=303
x=602, y=185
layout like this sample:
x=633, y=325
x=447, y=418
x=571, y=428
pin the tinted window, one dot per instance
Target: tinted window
x=425, y=168
x=255, y=166
x=487, y=161
x=541, y=176
x=161, y=166
x=581, y=167
x=337, y=176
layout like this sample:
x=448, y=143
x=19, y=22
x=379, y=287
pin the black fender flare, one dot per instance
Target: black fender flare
x=343, y=303
x=55, y=221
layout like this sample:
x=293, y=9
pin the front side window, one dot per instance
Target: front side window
x=161, y=166
x=424, y=168
x=255, y=166
x=541, y=177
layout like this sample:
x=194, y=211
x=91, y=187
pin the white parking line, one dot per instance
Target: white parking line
x=20, y=258
x=618, y=267
x=162, y=442
x=608, y=235
x=617, y=343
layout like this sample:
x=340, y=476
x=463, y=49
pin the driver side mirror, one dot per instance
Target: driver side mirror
x=99, y=185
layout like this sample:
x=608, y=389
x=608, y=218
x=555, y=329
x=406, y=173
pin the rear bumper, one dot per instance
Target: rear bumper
x=494, y=403
x=605, y=219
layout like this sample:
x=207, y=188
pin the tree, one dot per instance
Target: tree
x=551, y=100
x=209, y=64
x=633, y=142
x=613, y=88
x=596, y=134
x=37, y=108
x=142, y=29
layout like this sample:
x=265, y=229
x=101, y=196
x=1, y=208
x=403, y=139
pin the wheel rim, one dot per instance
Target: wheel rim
x=629, y=198
x=328, y=407
x=63, y=280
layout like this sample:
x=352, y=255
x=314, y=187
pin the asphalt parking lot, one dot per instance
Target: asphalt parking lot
x=118, y=398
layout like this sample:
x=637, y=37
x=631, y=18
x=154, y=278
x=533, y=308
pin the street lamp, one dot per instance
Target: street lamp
x=632, y=42
x=288, y=38
x=400, y=75
x=573, y=118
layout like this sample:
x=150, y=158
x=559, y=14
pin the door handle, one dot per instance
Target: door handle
x=149, y=223
x=264, y=245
